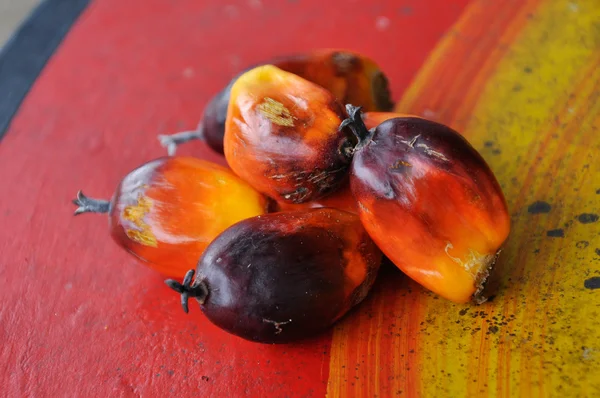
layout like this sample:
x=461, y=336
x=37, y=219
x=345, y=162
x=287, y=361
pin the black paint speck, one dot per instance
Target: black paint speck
x=597, y=191
x=556, y=233
x=597, y=252
x=592, y=283
x=171, y=372
x=587, y=218
x=582, y=244
x=527, y=69
x=539, y=207
x=517, y=87
x=463, y=311
x=489, y=144
x=568, y=223
x=496, y=151
x=536, y=251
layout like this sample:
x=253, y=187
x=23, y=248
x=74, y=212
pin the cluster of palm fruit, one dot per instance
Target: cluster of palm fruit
x=323, y=181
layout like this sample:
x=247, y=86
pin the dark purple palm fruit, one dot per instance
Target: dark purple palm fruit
x=285, y=276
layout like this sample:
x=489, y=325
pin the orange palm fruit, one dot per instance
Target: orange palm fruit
x=430, y=202
x=167, y=211
x=351, y=77
x=282, y=135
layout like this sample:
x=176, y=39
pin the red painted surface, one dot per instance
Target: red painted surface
x=79, y=317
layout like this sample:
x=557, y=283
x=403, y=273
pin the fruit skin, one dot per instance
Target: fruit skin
x=167, y=211
x=431, y=203
x=282, y=136
x=212, y=124
x=351, y=77
x=374, y=119
x=286, y=276
x=341, y=199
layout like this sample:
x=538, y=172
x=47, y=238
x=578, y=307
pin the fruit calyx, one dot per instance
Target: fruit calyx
x=482, y=278
x=356, y=124
x=197, y=290
x=90, y=205
x=171, y=141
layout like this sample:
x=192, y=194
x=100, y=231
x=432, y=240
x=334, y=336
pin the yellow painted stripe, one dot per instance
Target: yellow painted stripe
x=533, y=110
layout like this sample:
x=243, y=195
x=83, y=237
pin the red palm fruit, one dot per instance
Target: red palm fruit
x=351, y=77
x=430, y=202
x=282, y=136
x=167, y=211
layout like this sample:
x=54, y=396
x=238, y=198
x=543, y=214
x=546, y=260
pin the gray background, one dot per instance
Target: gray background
x=12, y=13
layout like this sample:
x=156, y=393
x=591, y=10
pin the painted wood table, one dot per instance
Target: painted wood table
x=79, y=317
